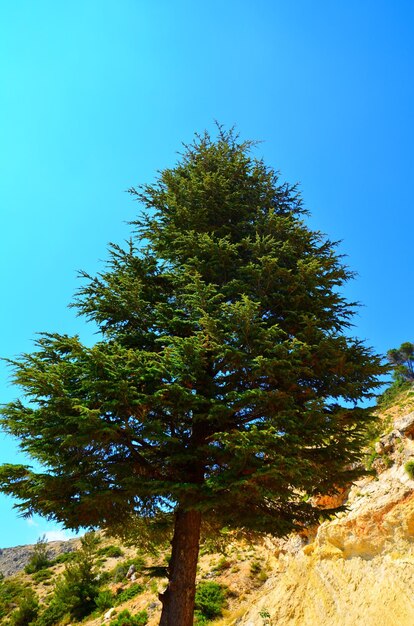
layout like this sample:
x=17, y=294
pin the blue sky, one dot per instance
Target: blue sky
x=97, y=95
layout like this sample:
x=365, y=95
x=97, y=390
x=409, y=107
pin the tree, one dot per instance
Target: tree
x=402, y=360
x=39, y=559
x=225, y=385
x=27, y=609
x=77, y=589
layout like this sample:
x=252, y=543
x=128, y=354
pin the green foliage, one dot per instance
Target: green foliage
x=255, y=568
x=79, y=586
x=265, y=615
x=126, y=619
x=200, y=619
x=129, y=593
x=209, y=600
x=27, y=609
x=104, y=600
x=41, y=575
x=11, y=589
x=64, y=557
x=409, y=468
x=402, y=360
x=39, y=559
x=51, y=615
x=225, y=381
x=391, y=395
x=76, y=591
x=110, y=551
x=225, y=349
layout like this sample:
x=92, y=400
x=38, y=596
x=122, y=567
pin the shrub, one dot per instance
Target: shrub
x=27, y=609
x=392, y=393
x=128, y=593
x=51, y=615
x=409, y=468
x=41, y=575
x=65, y=557
x=79, y=586
x=39, y=558
x=76, y=591
x=126, y=619
x=255, y=568
x=104, y=600
x=209, y=600
x=10, y=592
x=199, y=619
x=110, y=551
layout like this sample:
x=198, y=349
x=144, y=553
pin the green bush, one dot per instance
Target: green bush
x=128, y=593
x=51, y=615
x=76, y=591
x=79, y=586
x=27, y=610
x=41, y=575
x=210, y=599
x=392, y=393
x=409, y=468
x=65, y=557
x=104, y=600
x=255, y=568
x=126, y=619
x=10, y=592
x=199, y=619
x=111, y=551
x=39, y=558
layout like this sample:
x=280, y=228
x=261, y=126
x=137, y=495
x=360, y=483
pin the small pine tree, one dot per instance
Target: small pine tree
x=76, y=591
x=39, y=558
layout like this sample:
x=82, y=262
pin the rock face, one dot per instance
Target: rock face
x=359, y=569
x=14, y=560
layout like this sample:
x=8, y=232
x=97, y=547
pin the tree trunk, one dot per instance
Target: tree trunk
x=178, y=599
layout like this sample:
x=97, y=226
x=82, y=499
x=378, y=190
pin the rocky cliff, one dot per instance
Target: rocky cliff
x=13, y=560
x=357, y=569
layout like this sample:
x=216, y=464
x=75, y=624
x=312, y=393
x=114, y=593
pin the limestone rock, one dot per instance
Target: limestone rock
x=359, y=569
x=405, y=425
x=109, y=614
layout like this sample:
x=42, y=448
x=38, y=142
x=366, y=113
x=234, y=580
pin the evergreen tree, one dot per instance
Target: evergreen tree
x=225, y=387
x=402, y=360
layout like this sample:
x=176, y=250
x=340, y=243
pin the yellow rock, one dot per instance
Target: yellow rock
x=359, y=570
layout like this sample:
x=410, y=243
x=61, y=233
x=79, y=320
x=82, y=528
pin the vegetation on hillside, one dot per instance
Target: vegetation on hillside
x=99, y=581
x=401, y=361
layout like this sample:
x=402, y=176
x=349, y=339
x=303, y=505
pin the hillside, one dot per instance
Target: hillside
x=355, y=569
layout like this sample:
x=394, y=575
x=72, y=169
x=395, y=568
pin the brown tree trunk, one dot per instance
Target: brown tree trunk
x=178, y=598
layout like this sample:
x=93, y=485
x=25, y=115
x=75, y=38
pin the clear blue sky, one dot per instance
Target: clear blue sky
x=96, y=95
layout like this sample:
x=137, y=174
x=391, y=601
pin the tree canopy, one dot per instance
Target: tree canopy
x=402, y=360
x=225, y=381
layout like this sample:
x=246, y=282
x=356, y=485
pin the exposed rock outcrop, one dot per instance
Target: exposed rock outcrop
x=14, y=560
x=359, y=570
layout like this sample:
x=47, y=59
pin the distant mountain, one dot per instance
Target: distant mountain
x=13, y=560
